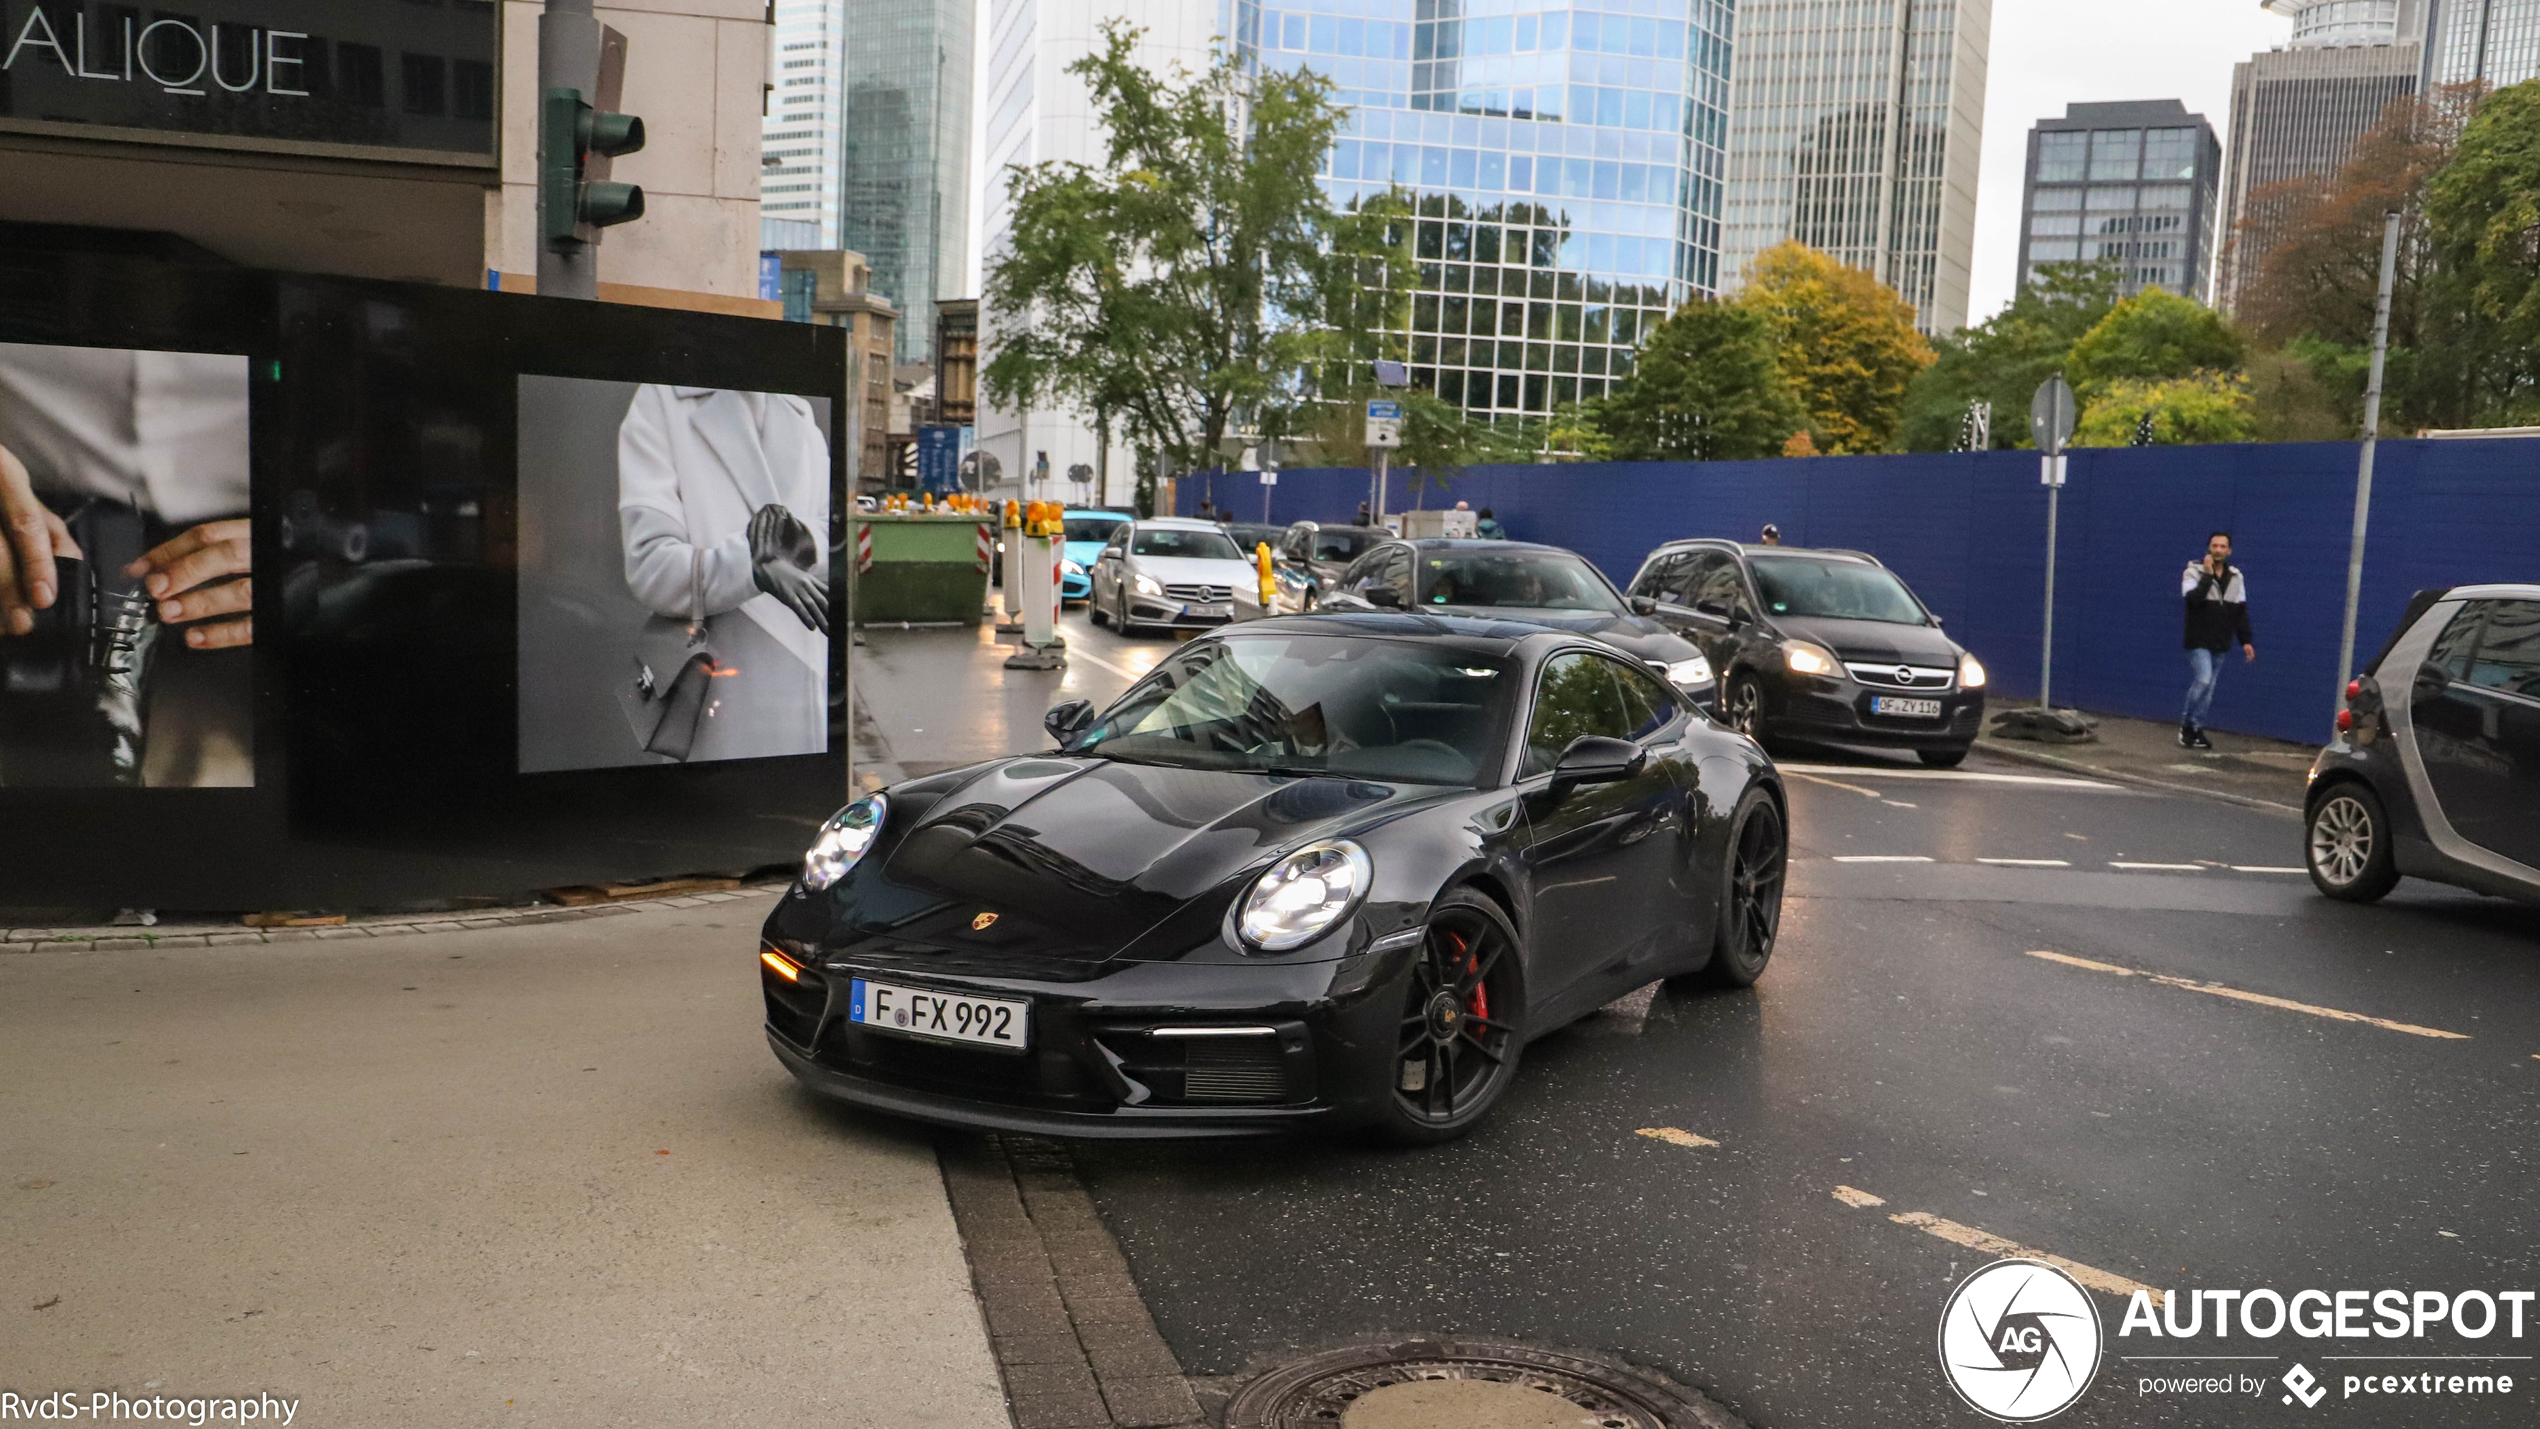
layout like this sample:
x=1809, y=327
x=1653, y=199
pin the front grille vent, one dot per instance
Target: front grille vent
x=1901, y=677
x=1200, y=592
x=1234, y=1069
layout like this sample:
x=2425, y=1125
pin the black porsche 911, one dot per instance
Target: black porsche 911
x=1312, y=871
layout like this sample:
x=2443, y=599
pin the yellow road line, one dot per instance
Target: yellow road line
x=2261, y=999
x=1857, y=1198
x=1676, y=1136
x=1992, y=1244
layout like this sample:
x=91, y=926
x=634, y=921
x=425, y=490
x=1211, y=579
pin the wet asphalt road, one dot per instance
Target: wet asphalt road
x=1910, y=1043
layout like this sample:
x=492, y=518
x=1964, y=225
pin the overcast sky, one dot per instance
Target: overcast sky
x=2050, y=53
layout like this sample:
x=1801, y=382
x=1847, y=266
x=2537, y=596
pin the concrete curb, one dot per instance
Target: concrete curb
x=2076, y=766
x=120, y=939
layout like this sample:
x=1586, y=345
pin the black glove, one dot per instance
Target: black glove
x=782, y=553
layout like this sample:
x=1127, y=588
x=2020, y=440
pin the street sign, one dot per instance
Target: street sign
x=2050, y=470
x=1384, y=411
x=1384, y=432
x=1269, y=477
x=2051, y=414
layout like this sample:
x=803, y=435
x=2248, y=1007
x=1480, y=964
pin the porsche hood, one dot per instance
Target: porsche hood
x=1087, y=860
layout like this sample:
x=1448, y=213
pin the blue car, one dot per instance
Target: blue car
x=1086, y=534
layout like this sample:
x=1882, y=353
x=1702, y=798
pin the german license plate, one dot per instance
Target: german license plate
x=1208, y=612
x=942, y=1016
x=1904, y=708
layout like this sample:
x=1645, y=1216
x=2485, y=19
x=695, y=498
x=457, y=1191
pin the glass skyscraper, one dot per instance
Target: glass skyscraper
x=1567, y=160
x=2497, y=41
x=2130, y=183
x=798, y=138
x=904, y=162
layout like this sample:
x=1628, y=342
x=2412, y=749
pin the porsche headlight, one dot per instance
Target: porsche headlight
x=1696, y=671
x=1304, y=894
x=1071, y=568
x=843, y=840
x=1806, y=658
x=1970, y=674
x=1146, y=585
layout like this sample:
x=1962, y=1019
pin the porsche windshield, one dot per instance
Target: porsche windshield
x=1840, y=590
x=1315, y=704
x=1526, y=580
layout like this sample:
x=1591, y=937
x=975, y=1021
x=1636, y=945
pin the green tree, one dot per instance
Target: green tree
x=2153, y=336
x=1847, y=344
x=1183, y=284
x=1707, y=385
x=2484, y=214
x=2200, y=407
x=2005, y=358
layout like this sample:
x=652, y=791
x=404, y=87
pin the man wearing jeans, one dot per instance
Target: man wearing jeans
x=2217, y=596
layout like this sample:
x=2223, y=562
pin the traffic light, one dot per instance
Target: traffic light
x=570, y=135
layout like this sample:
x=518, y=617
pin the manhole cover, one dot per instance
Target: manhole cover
x=1424, y=1384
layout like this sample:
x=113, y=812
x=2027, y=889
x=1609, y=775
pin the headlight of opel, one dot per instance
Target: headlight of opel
x=1807, y=658
x=1146, y=585
x=1071, y=568
x=843, y=840
x=1970, y=674
x=1304, y=894
x=1696, y=671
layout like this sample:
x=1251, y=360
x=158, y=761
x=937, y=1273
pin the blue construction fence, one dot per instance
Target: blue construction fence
x=1968, y=532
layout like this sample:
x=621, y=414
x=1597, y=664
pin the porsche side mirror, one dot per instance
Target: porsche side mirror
x=1643, y=605
x=1068, y=720
x=1383, y=596
x=1597, y=759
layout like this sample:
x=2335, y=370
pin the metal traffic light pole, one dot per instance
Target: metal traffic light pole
x=568, y=58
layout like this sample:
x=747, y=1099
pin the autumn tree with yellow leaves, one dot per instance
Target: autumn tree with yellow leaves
x=1847, y=343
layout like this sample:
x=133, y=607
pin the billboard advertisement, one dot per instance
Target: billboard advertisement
x=674, y=574
x=126, y=615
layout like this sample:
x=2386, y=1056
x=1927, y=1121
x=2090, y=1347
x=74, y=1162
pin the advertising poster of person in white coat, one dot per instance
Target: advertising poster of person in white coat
x=675, y=597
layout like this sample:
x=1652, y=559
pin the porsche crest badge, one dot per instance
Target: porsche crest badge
x=982, y=923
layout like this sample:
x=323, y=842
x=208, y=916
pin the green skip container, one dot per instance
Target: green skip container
x=921, y=568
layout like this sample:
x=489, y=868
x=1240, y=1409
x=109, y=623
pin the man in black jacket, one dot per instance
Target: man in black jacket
x=2217, y=596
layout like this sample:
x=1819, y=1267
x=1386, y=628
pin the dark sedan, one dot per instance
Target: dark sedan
x=1517, y=580
x=1818, y=645
x=1312, y=558
x=1321, y=871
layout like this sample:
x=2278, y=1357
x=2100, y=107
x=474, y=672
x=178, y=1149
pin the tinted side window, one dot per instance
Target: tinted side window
x=1658, y=578
x=1723, y=584
x=1576, y=695
x=2509, y=652
x=1362, y=572
x=2452, y=648
x=1647, y=705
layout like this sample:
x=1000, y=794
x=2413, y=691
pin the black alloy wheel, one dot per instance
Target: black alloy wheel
x=1943, y=758
x=1750, y=893
x=1456, y=1048
x=2346, y=844
x=1093, y=606
x=1120, y=609
x=1742, y=708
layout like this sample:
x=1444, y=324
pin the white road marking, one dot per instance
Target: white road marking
x=2028, y=862
x=2237, y=995
x=1857, y=1198
x=2264, y=868
x=1075, y=652
x=1880, y=858
x=1899, y=804
x=1676, y=1136
x=1833, y=783
x=1951, y=776
x=2161, y=867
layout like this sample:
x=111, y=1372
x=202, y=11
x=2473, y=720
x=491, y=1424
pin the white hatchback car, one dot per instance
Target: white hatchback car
x=1173, y=574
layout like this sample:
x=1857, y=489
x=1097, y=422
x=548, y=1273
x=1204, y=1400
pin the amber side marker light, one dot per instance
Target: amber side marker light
x=781, y=965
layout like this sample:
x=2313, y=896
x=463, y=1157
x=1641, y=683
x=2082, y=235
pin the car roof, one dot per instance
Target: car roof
x=1476, y=543
x=1178, y=523
x=1073, y=513
x=1757, y=548
x=1471, y=632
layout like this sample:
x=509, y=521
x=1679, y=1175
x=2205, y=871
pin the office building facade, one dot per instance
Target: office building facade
x=1855, y=127
x=904, y=161
x=2298, y=112
x=800, y=132
x=2131, y=183
x=2491, y=42
x=1567, y=163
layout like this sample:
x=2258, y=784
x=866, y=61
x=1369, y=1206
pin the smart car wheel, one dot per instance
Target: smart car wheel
x=1456, y=1047
x=1744, y=707
x=1750, y=893
x=2347, y=844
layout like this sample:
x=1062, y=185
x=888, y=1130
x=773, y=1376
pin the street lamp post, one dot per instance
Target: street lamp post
x=2363, y=466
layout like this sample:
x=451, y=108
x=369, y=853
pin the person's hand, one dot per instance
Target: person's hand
x=2248, y=653
x=34, y=538
x=782, y=552
x=189, y=577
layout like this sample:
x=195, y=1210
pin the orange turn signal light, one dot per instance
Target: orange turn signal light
x=781, y=965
